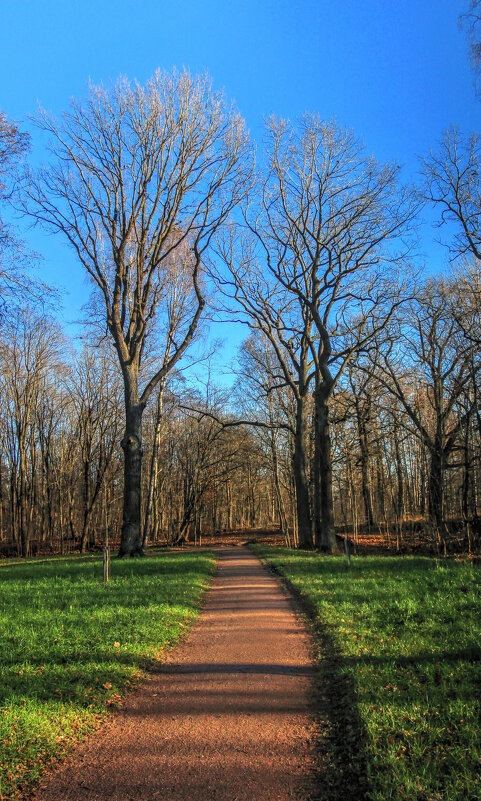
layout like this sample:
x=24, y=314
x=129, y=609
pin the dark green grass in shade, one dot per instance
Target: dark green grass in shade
x=399, y=685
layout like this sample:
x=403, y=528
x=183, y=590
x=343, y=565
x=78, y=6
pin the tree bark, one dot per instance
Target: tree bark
x=299, y=462
x=362, y=414
x=153, y=464
x=325, y=536
x=436, y=488
x=131, y=542
x=278, y=493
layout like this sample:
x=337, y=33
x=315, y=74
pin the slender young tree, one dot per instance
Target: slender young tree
x=140, y=179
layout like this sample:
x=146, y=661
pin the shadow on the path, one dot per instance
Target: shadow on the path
x=234, y=668
x=341, y=771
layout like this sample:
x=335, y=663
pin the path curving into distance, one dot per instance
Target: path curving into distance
x=225, y=718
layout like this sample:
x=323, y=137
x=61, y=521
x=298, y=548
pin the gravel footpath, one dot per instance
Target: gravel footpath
x=225, y=718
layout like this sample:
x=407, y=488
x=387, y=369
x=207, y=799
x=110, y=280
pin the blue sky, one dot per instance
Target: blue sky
x=396, y=72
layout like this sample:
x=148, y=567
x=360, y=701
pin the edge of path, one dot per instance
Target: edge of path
x=341, y=770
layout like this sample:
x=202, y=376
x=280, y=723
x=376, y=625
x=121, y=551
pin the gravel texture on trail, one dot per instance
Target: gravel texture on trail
x=226, y=716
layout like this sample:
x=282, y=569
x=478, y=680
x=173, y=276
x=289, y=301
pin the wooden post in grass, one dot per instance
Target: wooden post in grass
x=346, y=548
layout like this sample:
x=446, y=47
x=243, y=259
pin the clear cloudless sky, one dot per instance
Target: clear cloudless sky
x=398, y=72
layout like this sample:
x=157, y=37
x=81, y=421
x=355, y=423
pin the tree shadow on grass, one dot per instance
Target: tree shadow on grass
x=42, y=661
x=308, y=563
x=341, y=770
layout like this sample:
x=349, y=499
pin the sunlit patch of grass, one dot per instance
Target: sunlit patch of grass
x=70, y=646
x=408, y=635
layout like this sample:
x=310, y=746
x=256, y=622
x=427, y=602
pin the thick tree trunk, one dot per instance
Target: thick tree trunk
x=131, y=541
x=325, y=536
x=299, y=462
x=436, y=497
x=381, y=488
x=436, y=488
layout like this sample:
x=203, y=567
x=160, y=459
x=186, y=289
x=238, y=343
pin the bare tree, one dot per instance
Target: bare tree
x=326, y=230
x=95, y=396
x=267, y=307
x=331, y=226
x=427, y=367
x=27, y=363
x=452, y=181
x=15, y=259
x=141, y=178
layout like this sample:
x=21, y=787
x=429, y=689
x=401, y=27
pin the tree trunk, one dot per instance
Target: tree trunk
x=84, y=537
x=278, y=493
x=362, y=415
x=436, y=488
x=325, y=536
x=299, y=460
x=467, y=482
x=23, y=503
x=399, y=510
x=153, y=464
x=131, y=540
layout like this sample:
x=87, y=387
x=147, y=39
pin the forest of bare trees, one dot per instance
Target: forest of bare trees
x=355, y=405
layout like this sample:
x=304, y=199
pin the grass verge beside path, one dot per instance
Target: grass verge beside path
x=399, y=685
x=70, y=646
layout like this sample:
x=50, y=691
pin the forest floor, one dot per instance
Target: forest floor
x=414, y=537
x=227, y=715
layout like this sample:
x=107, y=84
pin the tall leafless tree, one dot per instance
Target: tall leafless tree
x=327, y=228
x=268, y=308
x=141, y=178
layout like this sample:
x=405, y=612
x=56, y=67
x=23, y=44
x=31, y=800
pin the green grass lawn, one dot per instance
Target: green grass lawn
x=399, y=655
x=70, y=646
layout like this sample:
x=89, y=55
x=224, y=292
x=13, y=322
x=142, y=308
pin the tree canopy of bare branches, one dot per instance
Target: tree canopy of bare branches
x=427, y=366
x=141, y=178
x=452, y=181
x=14, y=259
x=471, y=22
x=317, y=265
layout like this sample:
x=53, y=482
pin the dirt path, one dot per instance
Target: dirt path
x=224, y=719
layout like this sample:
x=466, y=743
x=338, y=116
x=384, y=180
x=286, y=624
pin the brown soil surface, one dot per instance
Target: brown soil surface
x=225, y=718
